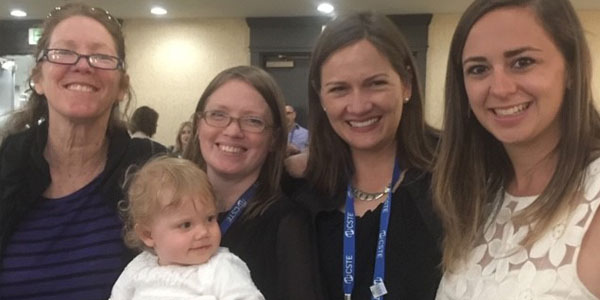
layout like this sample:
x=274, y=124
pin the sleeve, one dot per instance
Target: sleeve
x=157, y=148
x=232, y=280
x=297, y=267
x=22, y=180
x=305, y=139
x=123, y=289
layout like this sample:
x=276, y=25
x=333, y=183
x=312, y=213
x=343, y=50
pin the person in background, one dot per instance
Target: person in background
x=62, y=163
x=297, y=135
x=517, y=178
x=143, y=124
x=184, y=135
x=239, y=138
x=171, y=216
x=369, y=158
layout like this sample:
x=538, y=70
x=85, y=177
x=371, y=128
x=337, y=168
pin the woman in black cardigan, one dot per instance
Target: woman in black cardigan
x=369, y=160
x=62, y=162
x=239, y=138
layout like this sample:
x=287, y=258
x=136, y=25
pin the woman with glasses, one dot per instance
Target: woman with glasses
x=239, y=138
x=62, y=162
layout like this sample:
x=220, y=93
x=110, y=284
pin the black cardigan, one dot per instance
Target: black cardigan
x=419, y=235
x=25, y=175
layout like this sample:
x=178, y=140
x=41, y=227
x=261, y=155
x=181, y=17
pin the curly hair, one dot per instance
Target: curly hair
x=161, y=182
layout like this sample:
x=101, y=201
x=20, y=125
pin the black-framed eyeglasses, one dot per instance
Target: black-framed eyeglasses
x=221, y=119
x=69, y=57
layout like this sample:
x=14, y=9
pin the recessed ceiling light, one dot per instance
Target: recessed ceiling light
x=157, y=10
x=18, y=13
x=325, y=8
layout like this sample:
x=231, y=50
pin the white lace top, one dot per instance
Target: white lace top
x=499, y=268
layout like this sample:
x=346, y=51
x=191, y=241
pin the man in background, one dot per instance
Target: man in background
x=143, y=124
x=297, y=135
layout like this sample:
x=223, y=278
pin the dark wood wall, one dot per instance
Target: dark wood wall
x=292, y=39
x=271, y=39
x=14, y=37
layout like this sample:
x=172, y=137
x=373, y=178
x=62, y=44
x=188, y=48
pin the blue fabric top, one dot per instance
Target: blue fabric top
x=78, y=239
x=298, y=137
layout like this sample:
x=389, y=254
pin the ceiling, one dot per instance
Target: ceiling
x=38, y=9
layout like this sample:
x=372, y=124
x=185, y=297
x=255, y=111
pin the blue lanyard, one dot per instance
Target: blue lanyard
x=349, y=263
x=237, y=208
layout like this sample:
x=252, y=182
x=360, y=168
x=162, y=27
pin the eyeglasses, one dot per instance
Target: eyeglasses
x=68, y=57
x=221, y=119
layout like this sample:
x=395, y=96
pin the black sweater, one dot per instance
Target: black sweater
x=25, y=175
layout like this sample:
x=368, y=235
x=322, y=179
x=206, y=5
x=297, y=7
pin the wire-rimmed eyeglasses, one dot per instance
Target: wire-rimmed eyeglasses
x=221, y=119
x=69, y=57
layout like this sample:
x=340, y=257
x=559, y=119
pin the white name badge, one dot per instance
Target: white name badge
x=378, y=289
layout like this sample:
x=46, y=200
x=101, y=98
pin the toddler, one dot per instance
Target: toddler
x=171, y=215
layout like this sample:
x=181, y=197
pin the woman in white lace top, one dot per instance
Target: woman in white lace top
x=517, y=181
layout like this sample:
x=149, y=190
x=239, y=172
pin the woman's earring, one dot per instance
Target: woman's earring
x=31, y=85
x=406, y=100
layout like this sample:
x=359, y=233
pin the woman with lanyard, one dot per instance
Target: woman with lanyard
x=239, y=138
x=368, y=160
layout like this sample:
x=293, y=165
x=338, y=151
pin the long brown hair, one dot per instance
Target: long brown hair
x=330, y=164
x=36, y=108
x=178, y=143
x=270, y=174
x=472, y=166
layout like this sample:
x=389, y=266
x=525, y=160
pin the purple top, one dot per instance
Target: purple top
x=66, y=248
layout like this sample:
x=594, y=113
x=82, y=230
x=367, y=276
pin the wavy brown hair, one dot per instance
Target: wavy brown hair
x=178, y=143
x=330, y=164
x=472, y=166
x=36, y=108
x=270, y=174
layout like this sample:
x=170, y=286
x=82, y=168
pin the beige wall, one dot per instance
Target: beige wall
x=441, y=29
x=440, y=33
x=170, y=62
x=591, y=24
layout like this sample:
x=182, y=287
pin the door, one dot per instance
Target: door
x=290, y=70
x=7, y=86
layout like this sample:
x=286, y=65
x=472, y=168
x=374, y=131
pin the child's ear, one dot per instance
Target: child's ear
x=145, y=234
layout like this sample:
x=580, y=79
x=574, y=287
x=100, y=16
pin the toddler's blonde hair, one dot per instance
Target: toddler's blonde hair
x=160, y=183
